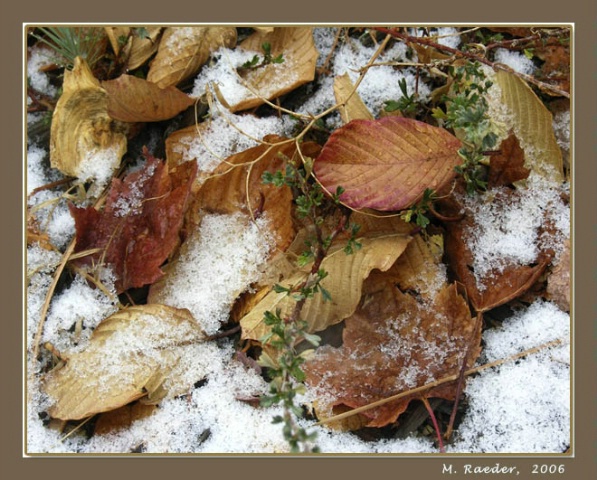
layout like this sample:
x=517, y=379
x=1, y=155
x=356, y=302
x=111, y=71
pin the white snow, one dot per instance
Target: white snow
x=520, y=406
x=38, y=58
x=515, y=60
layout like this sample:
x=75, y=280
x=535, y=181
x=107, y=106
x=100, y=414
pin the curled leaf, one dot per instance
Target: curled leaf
x=131, y=354
x=387, y=164
x=83, y=134
x=183, y=50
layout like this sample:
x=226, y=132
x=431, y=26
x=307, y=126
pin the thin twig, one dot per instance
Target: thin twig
x=437, y=383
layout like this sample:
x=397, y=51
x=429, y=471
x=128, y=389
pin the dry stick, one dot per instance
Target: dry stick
x=437, y=383
x=472, y=56
x=460, y=384
x=46, y=306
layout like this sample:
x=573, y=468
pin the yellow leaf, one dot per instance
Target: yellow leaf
x=344, y=283
x=532, y=124
x=130, y=355
x=183, y=50
x=82, y=132
x=353, y=106
x=140, y=49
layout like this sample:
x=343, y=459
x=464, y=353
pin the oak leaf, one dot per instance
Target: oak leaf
x=132, y=354
x=393, y=344
x=387, y=164
x=139, y=225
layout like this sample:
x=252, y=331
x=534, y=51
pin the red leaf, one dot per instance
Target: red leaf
x=387, y=164
x=140, y=224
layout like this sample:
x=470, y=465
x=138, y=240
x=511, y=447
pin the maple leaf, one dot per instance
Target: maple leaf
x=393, y=344
x=140, y=224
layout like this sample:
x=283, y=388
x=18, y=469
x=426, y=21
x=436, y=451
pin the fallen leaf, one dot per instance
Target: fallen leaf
x=141, y=48
x=507, y=166
x=122, y=418
x=387, y=164
x=237, y=185
x=132, y=99
x=183, y=50
x=352, y=106
x=558, y=282
x=496, y=287
x=273, y=80
x=532, y=123
x=140, y=224
x=344, y=283
x=115, y=35
x=82, y=133
x=131, y=354
x=393, y=344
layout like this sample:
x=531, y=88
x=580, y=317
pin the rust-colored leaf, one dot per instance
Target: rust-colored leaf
x=507, y=166
x=183, y=50
x=139, y=226
x=497, y=286
x=387, y=164
x=393, y=344
x=132, y=99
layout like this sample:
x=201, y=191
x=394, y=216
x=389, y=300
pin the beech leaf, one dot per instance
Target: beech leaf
x=344, y=283
x=131, y=354
x=183, y=50
x=132, y=99
x=139, y=226
x=387, y=164
x=393, y=344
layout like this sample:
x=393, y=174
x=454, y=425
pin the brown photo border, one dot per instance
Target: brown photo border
x=581, y=464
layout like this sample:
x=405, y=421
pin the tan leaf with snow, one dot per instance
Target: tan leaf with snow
x=131, y=354
x=83, y=134
x=273, y=80
x=352, y=106
x=183, y=50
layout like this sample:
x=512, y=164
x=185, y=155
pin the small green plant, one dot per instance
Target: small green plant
x=407, y=104
x=286, y=375
x=417, y=212
x=71, y=42
x=267, y=59
x=467, y=113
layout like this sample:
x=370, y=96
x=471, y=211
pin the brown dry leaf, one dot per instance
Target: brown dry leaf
x=344, y=282
x=225, y=191
x=115, y=34
x=558, y=282
x=393, y=344
x=132, y=99
x=183, y=50
x=387, y=164
x=131, y=354
x=276, y=79
x=419, y=270
x=556, y=66
x=353, y=106
x=507, y=166
x=122, y=418
x=82, y=132
x=139, y=48
x=532, y=124
x=495, y=288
